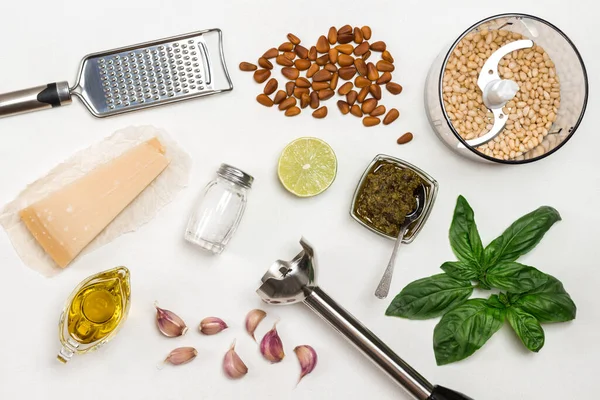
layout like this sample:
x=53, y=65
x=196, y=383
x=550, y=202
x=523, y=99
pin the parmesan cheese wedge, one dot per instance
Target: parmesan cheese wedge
x=66, y=221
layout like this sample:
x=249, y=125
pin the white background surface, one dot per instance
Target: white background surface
x=44, y=41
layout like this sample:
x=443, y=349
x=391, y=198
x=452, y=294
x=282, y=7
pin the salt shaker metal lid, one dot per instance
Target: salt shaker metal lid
x=235, y=175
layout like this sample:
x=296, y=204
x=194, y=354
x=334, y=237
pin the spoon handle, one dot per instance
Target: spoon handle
x=384, y=285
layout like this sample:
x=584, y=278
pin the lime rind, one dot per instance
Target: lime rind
x=307, y=167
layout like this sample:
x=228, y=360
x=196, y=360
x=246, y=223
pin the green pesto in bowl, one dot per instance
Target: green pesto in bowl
x=370, y=208
x=387, y=197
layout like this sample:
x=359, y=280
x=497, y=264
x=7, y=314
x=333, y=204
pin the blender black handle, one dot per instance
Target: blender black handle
x=442, y=393
x=377, y=351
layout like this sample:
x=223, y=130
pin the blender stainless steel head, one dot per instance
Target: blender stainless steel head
x=291, y=282
x=286, y=282
x=135, y=77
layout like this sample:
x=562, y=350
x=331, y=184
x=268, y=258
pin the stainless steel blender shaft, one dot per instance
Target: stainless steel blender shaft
x=366, y=341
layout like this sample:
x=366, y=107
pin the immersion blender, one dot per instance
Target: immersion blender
x=290, y=282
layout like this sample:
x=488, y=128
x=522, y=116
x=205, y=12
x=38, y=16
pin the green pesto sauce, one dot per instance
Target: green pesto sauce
x=387, y=196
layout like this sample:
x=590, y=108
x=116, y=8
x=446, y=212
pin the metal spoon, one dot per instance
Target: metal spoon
x=384, y=285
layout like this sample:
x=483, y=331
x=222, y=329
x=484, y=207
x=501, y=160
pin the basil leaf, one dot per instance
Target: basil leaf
x=460, y=270
x=513, y=297
x=494, y=301
x=504, y=299
x=463, y=330
x=483, y=285
x=522, y=236
x=429, y=297
x=548, y=303
x=514, y=277
x=464, y=237
x=527, y=328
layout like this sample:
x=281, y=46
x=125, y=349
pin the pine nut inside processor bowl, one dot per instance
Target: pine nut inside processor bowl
x=511, y=89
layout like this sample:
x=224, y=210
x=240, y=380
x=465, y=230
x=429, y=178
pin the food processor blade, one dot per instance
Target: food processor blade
x=488, y=77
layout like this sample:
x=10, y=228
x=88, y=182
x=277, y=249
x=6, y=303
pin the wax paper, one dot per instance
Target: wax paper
x=158, y=194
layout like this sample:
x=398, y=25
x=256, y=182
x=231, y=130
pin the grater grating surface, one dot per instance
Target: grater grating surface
x=152, y=74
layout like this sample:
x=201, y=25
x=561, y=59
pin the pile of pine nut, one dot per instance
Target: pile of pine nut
x=531, y=112
x=341, y=55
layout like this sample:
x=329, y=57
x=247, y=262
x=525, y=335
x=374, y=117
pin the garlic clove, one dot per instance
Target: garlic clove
x=233, y=366
x=181, y=355
x=212, y=325
x=169, y=323
x=253, y=319
x=307, y=356
x=271, y=346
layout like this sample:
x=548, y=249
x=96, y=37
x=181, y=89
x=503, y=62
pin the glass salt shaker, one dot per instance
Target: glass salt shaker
x=218, y=212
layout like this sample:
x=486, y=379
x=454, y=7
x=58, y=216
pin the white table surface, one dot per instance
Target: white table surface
x=43, y=41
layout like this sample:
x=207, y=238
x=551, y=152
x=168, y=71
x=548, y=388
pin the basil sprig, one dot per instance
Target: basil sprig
x=528, y=296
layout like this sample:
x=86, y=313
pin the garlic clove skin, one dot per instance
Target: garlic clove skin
x=233, y=366
x=253, y=319
x=271, y=346
x=212, y=325
x=307, y=356
x=169, y=323
x=181, y=355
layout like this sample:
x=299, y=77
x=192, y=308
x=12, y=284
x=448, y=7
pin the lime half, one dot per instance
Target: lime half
x=307, y=166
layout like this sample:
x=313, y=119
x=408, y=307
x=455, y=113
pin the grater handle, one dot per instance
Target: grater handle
x=36, y=98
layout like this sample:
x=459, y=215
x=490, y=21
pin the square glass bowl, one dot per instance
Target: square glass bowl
x=431, y=189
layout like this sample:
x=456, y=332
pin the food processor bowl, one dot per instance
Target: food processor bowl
x=569, y=68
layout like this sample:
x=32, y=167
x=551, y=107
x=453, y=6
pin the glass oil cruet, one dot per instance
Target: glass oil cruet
x=94, y=312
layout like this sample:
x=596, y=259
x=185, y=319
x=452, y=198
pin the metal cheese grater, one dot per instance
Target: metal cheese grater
x=135, y=77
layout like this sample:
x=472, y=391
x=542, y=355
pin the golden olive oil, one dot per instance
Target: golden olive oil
x=94, y=312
